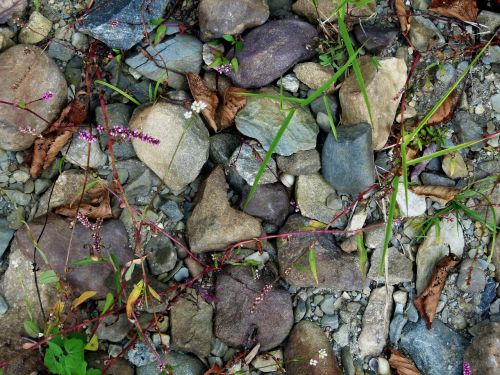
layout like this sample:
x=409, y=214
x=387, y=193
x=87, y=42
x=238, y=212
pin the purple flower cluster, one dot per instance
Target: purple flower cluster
x=85, y=136
x=95, y=229
x=223, y=69
x=467, y=368
x=28, y=130
x=120, y=132
x=47, y=95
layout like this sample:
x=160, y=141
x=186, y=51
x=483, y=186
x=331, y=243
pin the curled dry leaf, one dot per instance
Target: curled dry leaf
x=202, y=93
x=95, y=203
x=411, y=153
x=401, y=364
x=464, y=10
x=215, y=370
x=232, y=104
x=440, y=194
x=427, y=302
x=445, y=112
x=403, y=16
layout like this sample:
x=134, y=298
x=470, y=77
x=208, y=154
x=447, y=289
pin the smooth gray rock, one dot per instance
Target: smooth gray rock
x=60, y=50
x=318, y=105
x=272, y=49
x=222, y=146
x=228, y=17
x=467, y=129
x=247, y=161
x=163, y=259
x=438, y=351
x=424, y=34
x=484, y=353
x=77, y=153
x=374, y=38
x=261, y=119
x=11, y=8
x=436, y=179
x=400, y=267
x=119, y=24
x=118, y=114
x=171, y=209
x=6, y=235
x=472, y=277
x=27, y=73
x=181, y=364
x=114, y=328
x=271, y=320
x=3, y=306
x=270, y=203
x=347, y=162
x=300, y=163
x=397, y=324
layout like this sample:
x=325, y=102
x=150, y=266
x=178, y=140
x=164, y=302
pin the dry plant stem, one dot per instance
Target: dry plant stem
x=24, y=109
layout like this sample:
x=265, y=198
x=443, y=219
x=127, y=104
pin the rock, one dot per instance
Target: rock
x=171, y=209
x=214, y=225
x=181, y=364
x=162, y=259
x=12, y=9
x=80, y=41
x=98, y=360
x=270, y=203
x=471, y=278
x=280, y=8
x=269, y=323
x=5, y=42
x=434, y=247
x=305, y=342
x=424, y=35
x=37, y=29
x=3, y=306
x=261, y=119
x=218, y=18
x=314, y=75
x=437, y=351
x=269, y=362
x=454, y=166
x=318, y=106
x=118, y=114
x=383, y=87
x=17, y=197
x=327, y=10
x=181, y=153
x=247, y=160
x=400, y=267
x=467, y=129
x=222, y=146
x=271, y=50
x=318, y=200
x=374, y=38
x=375, y=238
x=6, y=235
x=335, y=269
x=121, y=24
x=436, y=180
x=27, y=74
x=181, y=54
x=347, y=162
x=328, y=305
x=114, y=328
x=331, y=321
x=414, y=206
x=483, y=353
x=300, y=163
x=55, y=240
x=77, y=153
x=376, y=320
x=489, y=19
x=60, y=50
x=191, y=321
x=397, y=324
x=290, y=83
x=491, y=167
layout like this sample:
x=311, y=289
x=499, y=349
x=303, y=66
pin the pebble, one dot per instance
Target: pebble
x=247, y=160
x=37, y=29
x=3, y=305
x=290, y=83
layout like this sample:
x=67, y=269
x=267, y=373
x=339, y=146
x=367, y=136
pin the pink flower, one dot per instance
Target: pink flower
x=85, y=136
x=467, y=368
x=47, y=95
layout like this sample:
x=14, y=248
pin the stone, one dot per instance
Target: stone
x=55, y=243
x=247, y=160
x=347, y=161
x=375, y=238
x=270, y=321
x=99, y=360
x=27, y=74
x=435, y=351
x=454, y=166
x=397, y=324
x=436, y=180
x=12, y=9
x=162, y=260
x=489, y=19
x=191, y=321
x=80, y=41
x=335, y=268
x=424, y=35
x=269, y=362
x=5, y=42
x=37, y=29
x=114, y=328
x=414, y=206
x=400, y=267
x=181, y=154
x=318, y=106
x=121, y=24
x=331, y=321
x=181, y=53
x=77, y=153
x=306, y=341
x=118, y=114
x=60, y=50
x=214, y=225
x=328, y=305
x=226, y=17
x=471, y=278
x=171, y=209
x=270, y=203
x=299, y=163
x=262, y=118
x=181, y=364
x=314, y=75
x=271, y=50
x=290, y=83
x=222, y=146
x=318, y=200
x=376, y=318
x=326, y=9
x=374, y=38
x=383, y=87
x=6, y=235
x=435, y=247
x=18, y=197
x=3, y=306
x=467, y=129
x=483, y=353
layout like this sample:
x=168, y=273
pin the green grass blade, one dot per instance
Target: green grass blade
x=119, y=91
x=330, y=117
x=390, y=219
x=312, y=264
x=363, y=257
x=404, y=166
x=269, y=154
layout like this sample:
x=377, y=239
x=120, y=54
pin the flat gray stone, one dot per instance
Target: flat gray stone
x=247, y=160
x=400, y=267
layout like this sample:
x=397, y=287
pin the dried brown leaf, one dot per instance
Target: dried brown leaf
x=427, y=302
x=411, y=153
x=445, y=112
x=401, y=364
x=464, y=10
x=215, y=370
x=441, y=194
x=202, y=93
x=403, y=16
x=232, y=104
x=95, y=204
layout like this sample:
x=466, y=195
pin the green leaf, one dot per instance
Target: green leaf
x=52, y=358
x=330, y=117
x=404, y=166
x=312, y=264
x=48, y=277
x=229, y=38
x=160, y=34
x=31, y=328
x=94, y=371
x=93, y=344
x=238, y=45
x=390, y=219
x=156, y=21
x=234, y=64
x=301, y=268
x=87, y=261
x=107, y=303
x=128, y=274
x=119, y=91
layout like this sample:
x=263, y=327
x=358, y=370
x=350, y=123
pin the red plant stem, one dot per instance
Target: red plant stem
x=24, y=109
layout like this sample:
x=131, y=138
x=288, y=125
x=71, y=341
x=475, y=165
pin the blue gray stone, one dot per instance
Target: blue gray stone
x=222, y=146
x=436, y=179
x=3, y=305
x=60, y=50
x=180, y=364
x=424, y=34
x=438, y=351
x=119, y=23
x=487, y=297
x=118, y=114
x=6, y=235
x=347, y=162
x=467, y=129
x=270, y=203
x=247, y=161
x=271, y=50
x=171, y=209
x=331, y=321
x=374, y=38
x=396, y=327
